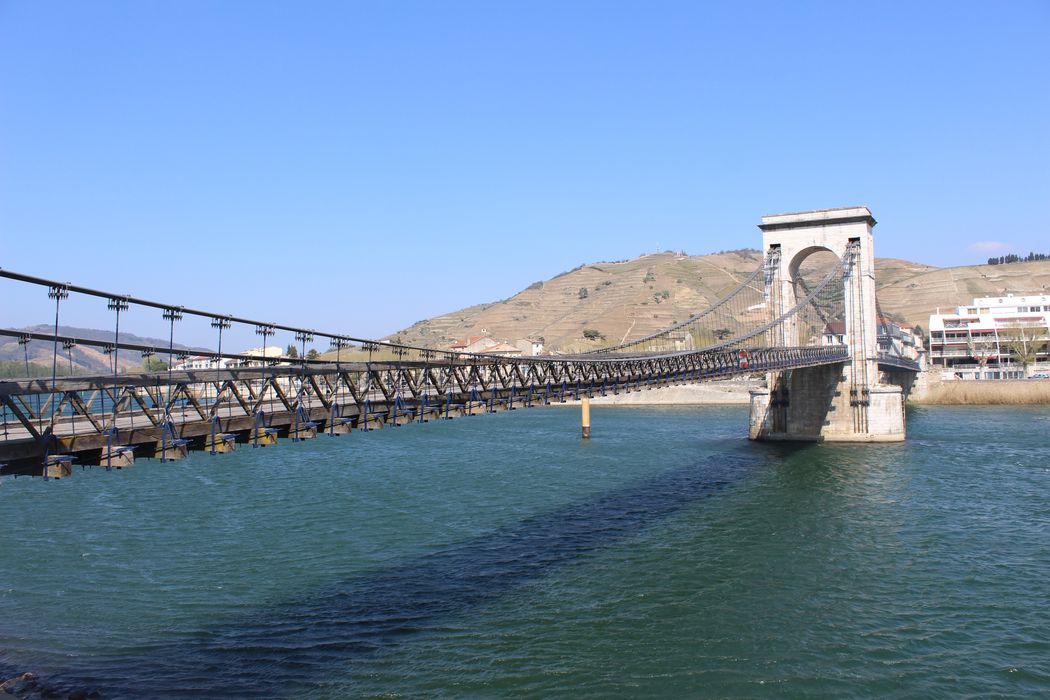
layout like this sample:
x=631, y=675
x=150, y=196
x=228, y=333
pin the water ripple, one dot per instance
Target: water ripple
x=665, y=557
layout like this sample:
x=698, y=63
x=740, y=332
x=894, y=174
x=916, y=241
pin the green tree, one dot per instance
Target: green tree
x=313, y=354
x=291, y=352
x=17, y=369
x=151, y=363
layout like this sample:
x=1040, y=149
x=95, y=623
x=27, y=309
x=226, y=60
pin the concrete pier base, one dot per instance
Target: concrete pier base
x=58, y=466
x=303, y=433
x=373, y=422
x=223, y=443
x=817, y=405
x=263, y=436
x=401, y=419
x=117, y=457
x=171, y=453
x=341, y=426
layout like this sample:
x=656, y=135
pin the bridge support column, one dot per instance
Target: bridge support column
x=116, y=457
x=815, y=404
x=843, y=402
x=585, y=417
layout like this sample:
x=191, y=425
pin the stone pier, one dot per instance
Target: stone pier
x=846, y=402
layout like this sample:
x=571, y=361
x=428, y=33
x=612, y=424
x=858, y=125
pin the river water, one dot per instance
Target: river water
x=502, y=556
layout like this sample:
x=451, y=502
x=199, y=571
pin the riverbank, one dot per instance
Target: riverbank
x=931, y=392
x=991, y=392
x=725, y=392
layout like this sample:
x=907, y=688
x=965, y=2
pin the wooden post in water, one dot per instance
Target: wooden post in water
x=586, y=422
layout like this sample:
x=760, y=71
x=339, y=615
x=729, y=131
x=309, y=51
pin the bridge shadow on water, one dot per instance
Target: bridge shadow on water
x=293, y=646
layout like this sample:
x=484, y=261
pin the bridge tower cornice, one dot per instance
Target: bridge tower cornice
x=819, y=217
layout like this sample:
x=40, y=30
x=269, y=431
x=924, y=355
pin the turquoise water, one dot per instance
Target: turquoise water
x=502, y=556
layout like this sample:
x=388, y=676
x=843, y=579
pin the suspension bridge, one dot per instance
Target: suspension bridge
x=772, y=322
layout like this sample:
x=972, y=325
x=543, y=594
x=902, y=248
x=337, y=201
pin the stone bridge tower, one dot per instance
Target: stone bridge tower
x=843, y=402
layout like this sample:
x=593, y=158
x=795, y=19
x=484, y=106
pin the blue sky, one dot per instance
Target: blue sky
x=359, y=166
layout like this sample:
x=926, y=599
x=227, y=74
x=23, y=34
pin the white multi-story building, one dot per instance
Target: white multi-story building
x=993, y=338
x=198, y=362
x=256, y=357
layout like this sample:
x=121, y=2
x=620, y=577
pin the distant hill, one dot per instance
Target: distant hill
x=625, y=299
x=915, y=291
x=85, y=359
x=630, y=299
x=622, y=300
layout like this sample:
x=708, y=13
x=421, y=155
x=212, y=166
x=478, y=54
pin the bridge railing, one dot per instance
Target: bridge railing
x=732, y=316
x=889, y=360
x=358, y=382
x=749, y=315
x=86, y=414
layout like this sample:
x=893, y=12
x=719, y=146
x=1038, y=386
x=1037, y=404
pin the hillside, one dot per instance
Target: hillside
x=621, y=299
x=630, y=299
x=85, y=359
x=915, y=291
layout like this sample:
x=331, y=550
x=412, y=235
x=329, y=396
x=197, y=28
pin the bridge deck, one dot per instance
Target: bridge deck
x=354, y=395
x=84, y=416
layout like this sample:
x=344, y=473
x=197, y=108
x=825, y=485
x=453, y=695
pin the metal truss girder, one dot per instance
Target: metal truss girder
x=25, y=420
x=79, y=408
x=147, y=410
